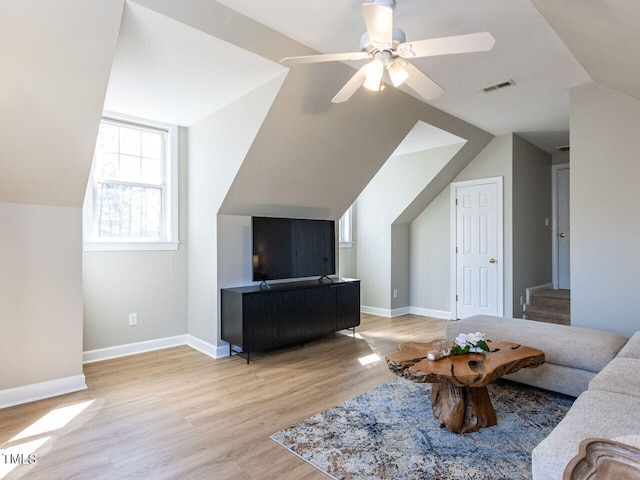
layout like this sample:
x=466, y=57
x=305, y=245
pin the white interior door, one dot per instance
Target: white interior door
x=478, y=272
x=562, y=237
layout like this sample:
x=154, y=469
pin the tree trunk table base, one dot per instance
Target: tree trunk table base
x=462, y=409
x=459, y=395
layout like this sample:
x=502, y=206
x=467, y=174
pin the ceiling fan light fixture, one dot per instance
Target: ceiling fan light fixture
x=397, y=73
x=373, y=75
x=390, y=54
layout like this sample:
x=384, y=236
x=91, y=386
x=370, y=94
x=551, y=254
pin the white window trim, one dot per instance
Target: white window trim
x=348, y=243
x=171, y=199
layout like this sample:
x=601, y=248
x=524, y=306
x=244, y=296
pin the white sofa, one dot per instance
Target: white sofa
x=601, y=369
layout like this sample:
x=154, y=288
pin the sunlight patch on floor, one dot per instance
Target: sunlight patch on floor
x=349, y=333
x=369, y=359
x=53, y=420
x=21, y=449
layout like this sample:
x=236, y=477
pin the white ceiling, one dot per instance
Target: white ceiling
x=532, y=40
x=423, y=136
x=54, y=66
x=603, y=35
x=600, y=33
x=170, y=72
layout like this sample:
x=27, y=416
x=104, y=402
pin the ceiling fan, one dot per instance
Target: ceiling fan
x=388, y=51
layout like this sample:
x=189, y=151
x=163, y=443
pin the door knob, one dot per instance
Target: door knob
x=492, y=260
x=562, y=235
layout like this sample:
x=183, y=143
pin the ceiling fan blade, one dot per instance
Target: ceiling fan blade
x=421, y=84
x=471, y=42
x=379, y=22
x=350, y=87
x=329, y=57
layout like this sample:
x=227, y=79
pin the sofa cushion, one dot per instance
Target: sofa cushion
x=632, y=347
x=575, y=347
x=591, y=416
x=557, y=378
x=620, y=376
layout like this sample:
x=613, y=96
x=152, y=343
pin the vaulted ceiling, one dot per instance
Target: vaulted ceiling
x=545, y=46
x=58, y=58
x=527, y=51
x=55, y=59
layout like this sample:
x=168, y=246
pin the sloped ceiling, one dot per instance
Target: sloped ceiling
x=170, y=72
x=63, y=62
x=310, y=155
x=603, y=36
x=55, y=59
x=527, y=50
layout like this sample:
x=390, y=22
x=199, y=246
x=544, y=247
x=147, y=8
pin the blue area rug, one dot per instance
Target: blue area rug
x=390, y=433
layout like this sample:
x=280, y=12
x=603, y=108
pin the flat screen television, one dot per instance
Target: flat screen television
x=292, y=248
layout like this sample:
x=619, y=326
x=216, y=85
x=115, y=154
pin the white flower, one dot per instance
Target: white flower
x=462, y=339
x=474, y=338
x=470, y=340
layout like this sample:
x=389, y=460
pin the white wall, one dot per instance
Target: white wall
x=40, y=297
x=56, y=58
x=430, y=254
x=531, y=208
x=399, y=268
x=605, y=225
x=152, y=284
x=430, y=271
x=217, y=147
x=559, y=158
x=388, y=194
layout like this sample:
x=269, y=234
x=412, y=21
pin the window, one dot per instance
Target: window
x=131, y=200
x=345, y=228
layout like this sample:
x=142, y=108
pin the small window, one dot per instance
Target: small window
x=345, y=229
x=131, y=200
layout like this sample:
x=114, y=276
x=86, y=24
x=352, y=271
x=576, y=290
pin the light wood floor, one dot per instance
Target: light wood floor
x=178, y=414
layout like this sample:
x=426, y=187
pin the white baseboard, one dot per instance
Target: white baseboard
x=118, y=351
x=207, y=348
x=429, y=312
x=100, y=354
x=382, y=312
x=396, y=312
x=42, y=390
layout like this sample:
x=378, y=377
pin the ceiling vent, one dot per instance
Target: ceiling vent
x=564, y=148
x=499, y=86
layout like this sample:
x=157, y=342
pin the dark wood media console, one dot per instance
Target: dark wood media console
x=255, y=318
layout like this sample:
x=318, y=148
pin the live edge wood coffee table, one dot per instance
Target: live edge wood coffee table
x=459, y=395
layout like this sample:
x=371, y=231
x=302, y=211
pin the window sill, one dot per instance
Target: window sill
x=128, y=246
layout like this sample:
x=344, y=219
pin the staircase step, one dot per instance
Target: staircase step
x=544, y=315
x=556, y=300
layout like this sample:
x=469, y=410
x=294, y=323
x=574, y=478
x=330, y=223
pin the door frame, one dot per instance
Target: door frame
x=555, y=270
x=498, y=181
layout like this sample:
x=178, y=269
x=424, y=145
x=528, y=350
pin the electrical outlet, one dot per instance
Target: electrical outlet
x=395, y=294
x=133, y=319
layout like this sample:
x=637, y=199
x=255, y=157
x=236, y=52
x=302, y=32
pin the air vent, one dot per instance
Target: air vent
x=564, y=148
x=499, y=86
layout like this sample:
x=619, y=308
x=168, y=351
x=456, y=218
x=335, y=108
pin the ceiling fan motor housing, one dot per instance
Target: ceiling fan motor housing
x=366, y=45
x=385, y=3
